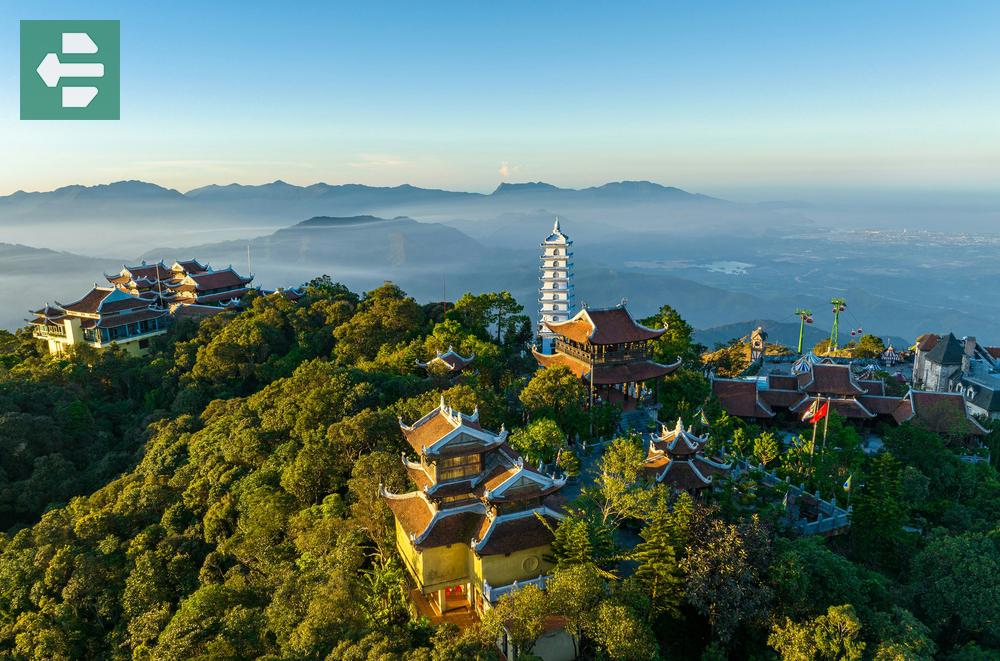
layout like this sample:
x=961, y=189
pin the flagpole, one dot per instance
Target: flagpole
x=826, y=422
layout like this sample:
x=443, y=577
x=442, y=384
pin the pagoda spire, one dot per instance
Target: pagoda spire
x=555, y=293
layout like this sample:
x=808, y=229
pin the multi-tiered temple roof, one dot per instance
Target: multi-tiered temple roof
x=185, y=282
x=472, y=488
x=677, y=458
x=606, y=347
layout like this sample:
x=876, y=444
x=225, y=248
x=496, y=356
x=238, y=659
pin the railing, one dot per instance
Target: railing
x=44, y=332
x=493, y=594
x=829, y=518
x=564, y=347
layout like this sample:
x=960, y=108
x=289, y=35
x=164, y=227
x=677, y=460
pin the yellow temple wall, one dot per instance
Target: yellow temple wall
x=505, y=569
x=410, y=556
x=444, y=566
x=434, y=568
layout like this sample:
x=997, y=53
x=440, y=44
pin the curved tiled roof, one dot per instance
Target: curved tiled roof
x=608, y=374
x=610, y=326
x=740, y=398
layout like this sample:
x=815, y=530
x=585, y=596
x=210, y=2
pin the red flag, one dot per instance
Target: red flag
x=821, y=413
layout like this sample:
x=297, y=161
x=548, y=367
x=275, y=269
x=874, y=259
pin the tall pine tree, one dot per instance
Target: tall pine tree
x=658, y=573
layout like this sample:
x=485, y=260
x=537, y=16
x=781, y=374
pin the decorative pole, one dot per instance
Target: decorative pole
x=839, y=305
x=805, y=317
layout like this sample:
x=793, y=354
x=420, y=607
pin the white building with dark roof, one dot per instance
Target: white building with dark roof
x=944, y=363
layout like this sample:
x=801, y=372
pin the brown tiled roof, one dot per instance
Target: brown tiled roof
x=196, y=311
x=457, y=528
x=130, y=318
x=775, y=398
x=516, y=535
x=191, y=266
x=612, y=326
x=708, y=468
x=223, y=295
x=412, y=512
x=830, y=380
x=500, y=475
x=740, y=398
x=782, y=382
x=454, y=361
x=123, y=304
x=418, y=476
x=927, y=341
x=680, y=475
x=217, y=279
x=880, y=404
x=50, y=311
x=435, y=426
x=873, y=387
x=904, y=411
x=90, y=301
x=453, y=488
x=150, y=271
x=429, y=432
x=607, y=374
x=944, y=412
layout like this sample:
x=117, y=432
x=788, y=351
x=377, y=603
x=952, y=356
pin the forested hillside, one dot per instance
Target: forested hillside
x=219, y=500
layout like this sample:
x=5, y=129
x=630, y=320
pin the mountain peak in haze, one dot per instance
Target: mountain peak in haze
x=342, y=221
x=527, y=187
x=114, y=190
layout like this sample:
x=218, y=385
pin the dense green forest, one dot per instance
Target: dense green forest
x=218, y=499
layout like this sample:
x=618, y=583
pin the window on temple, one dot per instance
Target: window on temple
x=455, y=467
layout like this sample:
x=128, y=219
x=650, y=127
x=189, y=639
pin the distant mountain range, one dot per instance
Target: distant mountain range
x=716, y=261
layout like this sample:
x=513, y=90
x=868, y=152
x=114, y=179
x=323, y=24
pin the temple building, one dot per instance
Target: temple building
x=555, y=293
x=187, y=282
x=861, y=400
x=105, y=316
x=610, y=351
x=141, y=302
x=947, y=364
x=766, y=397
x=944, y=413
x=448, y=363
x=471, y=531
x=677, y=458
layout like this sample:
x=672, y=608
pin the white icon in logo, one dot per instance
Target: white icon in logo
x=51, y=69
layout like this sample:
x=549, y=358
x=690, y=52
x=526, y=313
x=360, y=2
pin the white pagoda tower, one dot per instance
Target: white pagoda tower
x=555, y=293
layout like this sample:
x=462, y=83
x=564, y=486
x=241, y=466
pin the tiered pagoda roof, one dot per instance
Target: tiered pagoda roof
x=677, y=458
x=605, y=347
x=608, y=326
x=490, y=507
x=450, y=361
x=185, y=281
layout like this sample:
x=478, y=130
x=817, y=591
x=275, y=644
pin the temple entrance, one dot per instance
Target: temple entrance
x=627, y=396
x=455, y=598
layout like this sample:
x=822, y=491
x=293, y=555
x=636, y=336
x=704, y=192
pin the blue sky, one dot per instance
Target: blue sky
x=749, y=100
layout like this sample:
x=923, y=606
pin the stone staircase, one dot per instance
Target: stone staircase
x=640, y=420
